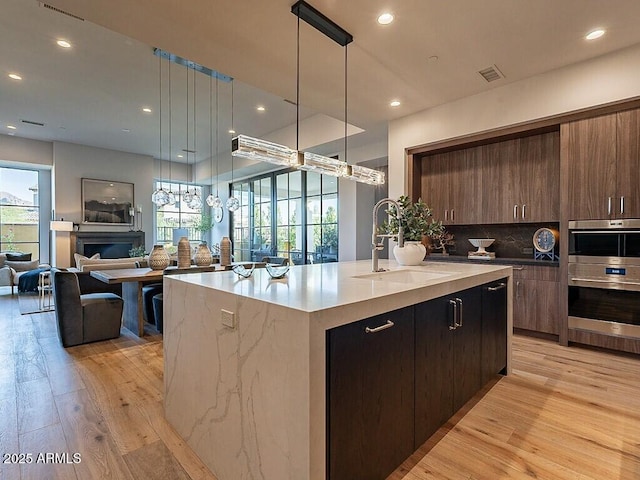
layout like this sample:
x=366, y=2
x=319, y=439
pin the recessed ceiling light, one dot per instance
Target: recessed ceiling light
x=232, y=131
x=15, y=76
x=180, y=155
x=126, y=130
x=260, y=108
x=594, y=34
x=63, y=43
x=395, y=103
x=385, y=19
x=146, y=110
x=11, y=127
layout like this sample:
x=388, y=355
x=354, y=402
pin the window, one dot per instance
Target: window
x=178, y=215
x=304, y=227
x=19, y=211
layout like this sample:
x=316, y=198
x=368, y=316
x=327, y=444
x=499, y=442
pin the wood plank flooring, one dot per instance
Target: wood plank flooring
x=565, y=413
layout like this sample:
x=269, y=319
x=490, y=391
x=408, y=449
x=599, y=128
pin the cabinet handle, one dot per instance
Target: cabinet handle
x=453, y=219
x=609, y=207
x=518, y=268
x=515, y=212
x=500, y=286
x=459, y=301
x=621, y=205
x=454, y=324
x=524, y=212
x=446, y=215
x=389, y=324
x=518, y=289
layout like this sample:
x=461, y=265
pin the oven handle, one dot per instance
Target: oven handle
x=591, y=282
x=613, y=230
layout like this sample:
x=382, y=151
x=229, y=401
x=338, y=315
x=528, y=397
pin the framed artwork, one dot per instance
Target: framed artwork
x=107, y=202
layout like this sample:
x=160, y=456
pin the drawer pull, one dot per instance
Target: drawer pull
x=454, y=324
x=389, y=324
x=518, y=268
x=499, y=287
x=459, y=302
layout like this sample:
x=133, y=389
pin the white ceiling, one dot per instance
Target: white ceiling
x=97, y=88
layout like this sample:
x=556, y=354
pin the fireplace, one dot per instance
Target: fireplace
x=107, y=244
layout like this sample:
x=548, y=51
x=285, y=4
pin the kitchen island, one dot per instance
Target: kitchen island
x=246, y=360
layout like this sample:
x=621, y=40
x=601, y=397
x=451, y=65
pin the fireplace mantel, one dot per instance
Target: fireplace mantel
x=80, y=240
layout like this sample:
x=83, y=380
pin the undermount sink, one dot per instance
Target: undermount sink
x=405, y=276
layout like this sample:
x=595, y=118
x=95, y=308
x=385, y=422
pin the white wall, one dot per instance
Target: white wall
x=73, y=162
x=24, y=150
x=599, y=81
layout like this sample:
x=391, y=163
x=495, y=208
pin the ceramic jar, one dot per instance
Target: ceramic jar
x=159, y=258
x=411, y=254
x=184, y=253
x=225, y=251
x=203, y=257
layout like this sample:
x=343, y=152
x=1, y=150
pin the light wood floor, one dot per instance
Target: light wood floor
x=565, y=413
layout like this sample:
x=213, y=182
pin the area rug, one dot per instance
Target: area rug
x=29, y=302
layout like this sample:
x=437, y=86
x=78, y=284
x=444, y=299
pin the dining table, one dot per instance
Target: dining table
x=132, y=280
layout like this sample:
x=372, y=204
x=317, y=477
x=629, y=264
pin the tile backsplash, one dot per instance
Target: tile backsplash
x=511, y=240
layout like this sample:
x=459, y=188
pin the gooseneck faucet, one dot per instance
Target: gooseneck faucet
x=377, y=246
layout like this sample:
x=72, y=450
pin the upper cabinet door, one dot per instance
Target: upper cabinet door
x=435, y=186
x=466, y=186
x=539, y=170
x=501, y=182
x=591, y=151
x=627, y=202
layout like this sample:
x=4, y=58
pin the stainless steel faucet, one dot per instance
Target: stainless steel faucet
x=377, y=246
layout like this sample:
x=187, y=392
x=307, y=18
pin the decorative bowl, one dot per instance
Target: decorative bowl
x=481, y=243
x=277, y=271
x=244, y=272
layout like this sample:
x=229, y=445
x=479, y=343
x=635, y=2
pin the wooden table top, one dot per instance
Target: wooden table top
x=121, y=275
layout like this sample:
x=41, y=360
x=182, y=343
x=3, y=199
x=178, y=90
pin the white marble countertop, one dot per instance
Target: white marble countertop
x=322, y=287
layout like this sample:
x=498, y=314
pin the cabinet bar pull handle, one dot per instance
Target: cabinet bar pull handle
x=389, y=324
x=500, y=286
x=515, y=212
x=518, y=268
x=517, y=289
x=452, y=215
x=524, y=212
x=459, y=301
x=609, y=207
x=454, y=324
x=446, y=215
x=621, y=205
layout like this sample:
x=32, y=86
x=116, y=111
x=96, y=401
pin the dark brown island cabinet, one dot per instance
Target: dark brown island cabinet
x=394, y=379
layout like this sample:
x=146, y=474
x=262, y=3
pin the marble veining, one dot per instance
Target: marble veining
x=250, y=400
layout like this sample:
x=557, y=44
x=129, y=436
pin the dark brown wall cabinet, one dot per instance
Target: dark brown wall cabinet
x=603, y=157
x=394, y=379
x=510, y=181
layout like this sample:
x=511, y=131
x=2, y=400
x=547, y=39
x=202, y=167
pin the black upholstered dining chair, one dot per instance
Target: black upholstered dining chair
x=84, y=318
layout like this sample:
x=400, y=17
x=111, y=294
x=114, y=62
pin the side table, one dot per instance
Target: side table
x=45, y=291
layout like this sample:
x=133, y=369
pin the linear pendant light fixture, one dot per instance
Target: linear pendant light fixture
x=265, y=151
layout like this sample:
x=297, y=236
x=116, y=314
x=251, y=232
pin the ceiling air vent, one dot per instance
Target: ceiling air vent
x=31, y=122
x=51, y=7
x=491, y=73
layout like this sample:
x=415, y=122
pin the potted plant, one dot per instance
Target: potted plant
x=417, y=223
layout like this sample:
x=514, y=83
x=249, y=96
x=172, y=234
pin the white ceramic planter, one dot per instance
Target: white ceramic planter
x=411, y=254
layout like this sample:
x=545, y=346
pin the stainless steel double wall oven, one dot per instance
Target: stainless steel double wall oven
x=604, y=276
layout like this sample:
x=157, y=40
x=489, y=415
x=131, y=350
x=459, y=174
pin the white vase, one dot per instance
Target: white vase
x=411, y=254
